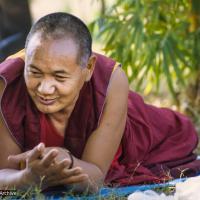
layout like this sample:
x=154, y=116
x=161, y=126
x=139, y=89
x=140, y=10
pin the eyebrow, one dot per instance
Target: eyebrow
x=34, y=67
x=56, y=72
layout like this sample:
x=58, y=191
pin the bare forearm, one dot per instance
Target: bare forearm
x=10, y=178
x=95, y=179
x=93, y=176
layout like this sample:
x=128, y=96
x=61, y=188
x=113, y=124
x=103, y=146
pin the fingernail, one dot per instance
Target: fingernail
x=40, y=146
x=66, y=162
x=78, y=170
x=54, y=153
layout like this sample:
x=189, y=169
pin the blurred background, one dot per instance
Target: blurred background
x=157, y=42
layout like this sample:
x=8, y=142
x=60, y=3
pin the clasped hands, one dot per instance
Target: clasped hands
x=48, y=166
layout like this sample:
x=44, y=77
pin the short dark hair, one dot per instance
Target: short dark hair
x=60, y=24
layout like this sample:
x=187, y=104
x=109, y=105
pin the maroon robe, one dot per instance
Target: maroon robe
x=157, y=143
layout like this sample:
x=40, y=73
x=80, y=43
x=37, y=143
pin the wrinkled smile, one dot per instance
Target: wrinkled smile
x=46, y=101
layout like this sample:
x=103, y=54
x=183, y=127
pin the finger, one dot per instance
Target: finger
x=48, y=159
x=60, y=172
x=69, y=180
x=17, y=158
x=36, y=153
x=41, y=147
x=72, y=172
x=65, y=162
x=76, y=179
x=55, y=171
x=60, y=166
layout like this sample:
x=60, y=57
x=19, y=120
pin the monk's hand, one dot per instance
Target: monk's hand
x=37, y=166
x=63, y=154
x=48, y=167
x=65, y=176
x=19, y=159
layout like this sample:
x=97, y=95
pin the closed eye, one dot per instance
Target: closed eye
x=34, y=71
x=35, y=74
x=61, y=78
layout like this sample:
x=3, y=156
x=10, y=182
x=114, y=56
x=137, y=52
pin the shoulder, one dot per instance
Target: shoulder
x=115, y=107
x=118, y=85
x=11, y=69
x=20, y=54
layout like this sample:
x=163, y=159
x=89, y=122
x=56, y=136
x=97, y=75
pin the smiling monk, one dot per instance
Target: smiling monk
x=69, y=116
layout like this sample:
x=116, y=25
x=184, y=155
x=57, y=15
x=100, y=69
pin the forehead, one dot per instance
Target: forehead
x=51, y=51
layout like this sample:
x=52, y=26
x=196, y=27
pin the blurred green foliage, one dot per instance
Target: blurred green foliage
x=153, y=39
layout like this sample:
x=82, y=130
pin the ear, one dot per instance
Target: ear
x=90, y=66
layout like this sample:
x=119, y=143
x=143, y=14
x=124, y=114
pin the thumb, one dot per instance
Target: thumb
x=17, y=158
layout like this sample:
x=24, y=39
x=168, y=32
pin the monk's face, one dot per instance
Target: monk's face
x=52, y=75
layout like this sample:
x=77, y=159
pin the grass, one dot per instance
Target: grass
x=36, y=193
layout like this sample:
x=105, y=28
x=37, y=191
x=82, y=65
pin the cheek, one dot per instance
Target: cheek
x=68, y=86
x=31, y=83
x=65, y=90
x=68, y=89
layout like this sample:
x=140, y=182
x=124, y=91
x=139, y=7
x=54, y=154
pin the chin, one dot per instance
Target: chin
x=47, y=109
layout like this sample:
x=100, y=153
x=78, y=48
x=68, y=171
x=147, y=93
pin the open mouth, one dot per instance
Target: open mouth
x=45, y=101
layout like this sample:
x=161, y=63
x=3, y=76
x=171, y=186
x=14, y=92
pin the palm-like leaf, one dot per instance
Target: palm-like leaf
x=151, y=39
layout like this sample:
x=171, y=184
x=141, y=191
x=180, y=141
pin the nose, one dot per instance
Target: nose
x=46, y=87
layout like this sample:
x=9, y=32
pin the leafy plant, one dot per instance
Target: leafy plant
x=156, y=42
